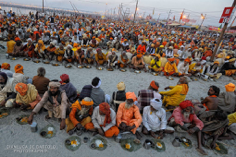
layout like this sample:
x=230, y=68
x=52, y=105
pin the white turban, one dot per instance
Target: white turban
x=156, y=103
x=203, y=62
x=54, y=84
x=29, y=39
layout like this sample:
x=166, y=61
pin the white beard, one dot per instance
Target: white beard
x=186, y=115
x=127, y=105
x=83, y=111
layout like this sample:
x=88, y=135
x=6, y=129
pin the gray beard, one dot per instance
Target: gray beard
x=83, y=111
x=186, y=115
x=128, y=105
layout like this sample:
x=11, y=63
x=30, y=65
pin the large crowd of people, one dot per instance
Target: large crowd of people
x=172, y=52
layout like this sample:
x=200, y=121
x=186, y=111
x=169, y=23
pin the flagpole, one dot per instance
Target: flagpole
x=221, y=35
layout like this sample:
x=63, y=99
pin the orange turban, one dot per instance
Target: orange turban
x=19, y=69
x=75, y=45
x=171, y=59
x=21, y=88
x=105, y=108
x=187, y=60
x=139, y=55
x=185, y=104
x=94, y=37
x=230, y=87
x=87, y=103
x=111, y=38
x=153, y=85
x=131, y=95
x=216, y=62
x=17, y=39
x=5, y=65
x=163, y=54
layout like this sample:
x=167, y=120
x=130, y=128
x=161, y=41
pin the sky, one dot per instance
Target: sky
x=193, y=8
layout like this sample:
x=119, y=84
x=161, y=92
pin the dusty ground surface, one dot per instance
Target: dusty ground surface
x=17, y=140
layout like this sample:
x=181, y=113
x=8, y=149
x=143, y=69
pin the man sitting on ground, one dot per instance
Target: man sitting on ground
x=211, y=102
x=104, y=121
x=68, y=87
x=55, y=101
x=112, y=60
x=6, y=69
x=154, y=120
x=226, y=100
x=7, y=94
x=184, y=119
x=123, y=60
x=27, y=96
x=176, y=94
x=100, y=57
x=80, y=115
x=138, y=63
x=171, y=68
x=155, y=65
x=128, y=117
x=97, y=94
x=145, y=96
x=40, y=82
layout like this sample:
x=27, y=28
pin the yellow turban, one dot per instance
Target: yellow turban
x=232, y=60
x=162, y=46
x=176, y=55
x=230, y=87
x=220, y=55
x=217, y=62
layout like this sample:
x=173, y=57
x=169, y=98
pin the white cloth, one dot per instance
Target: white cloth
x=156, y=104
x=154, y=121
x=8, y=72
x=169, y=54
x=183, y=69
x=8, y=88
x=98, y=119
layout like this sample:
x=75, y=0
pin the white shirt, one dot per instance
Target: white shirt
x=169, y=53
x=154, y=121
x=98, y=119
x=183, y=69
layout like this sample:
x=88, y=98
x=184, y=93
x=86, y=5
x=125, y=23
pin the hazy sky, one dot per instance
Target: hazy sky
x=193, y=8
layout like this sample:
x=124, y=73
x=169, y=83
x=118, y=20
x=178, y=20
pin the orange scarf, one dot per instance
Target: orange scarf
x=185, y=89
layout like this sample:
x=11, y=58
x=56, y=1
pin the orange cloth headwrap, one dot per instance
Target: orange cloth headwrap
x=21, y=88
x=153, y=85
x=86, y=103
x=5, y=65
x=131, y=95
x=171, y=59
x=139, y=55
x=187, y=60
x=230, y=87
x=105, y=108
x=19, y=69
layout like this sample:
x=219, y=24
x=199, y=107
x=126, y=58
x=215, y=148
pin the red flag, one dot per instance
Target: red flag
x=181, y=17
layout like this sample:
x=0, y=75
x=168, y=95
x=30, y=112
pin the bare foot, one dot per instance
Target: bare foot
x=138, y=135
x=200, y=150
x=47, y=117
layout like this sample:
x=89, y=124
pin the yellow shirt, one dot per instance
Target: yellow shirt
x=153, y=62
x=170, y=67
x=173, y=97
x=10, y=46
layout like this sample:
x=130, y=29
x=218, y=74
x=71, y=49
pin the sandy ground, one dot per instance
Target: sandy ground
x=17, y=140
